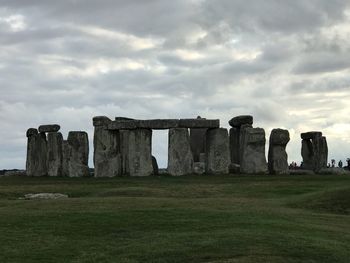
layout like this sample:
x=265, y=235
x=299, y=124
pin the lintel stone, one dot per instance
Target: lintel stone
x=49, y=128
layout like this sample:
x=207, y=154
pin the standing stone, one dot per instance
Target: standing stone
x=54, y=153
x=314, y=151
x=197, y=141
x=78, y=144
x=139, y=152
x=180, y=158
x=36, y=164
x=253, y=159
x=155, y=166
x=278, y=158
x=217, y=150
x=238, y=123
x=234, y=145
x=65, y=158
x=124, y=151
x=107, y=157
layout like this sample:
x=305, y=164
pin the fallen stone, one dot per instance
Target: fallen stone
x=49, y=128
x=277, y=156
x=45, y=196
x=253, y=159
x=100, y=121
x=301, y=172
x=180, y=158
x=78, y=144
x=334, y=171
x=238, y=121
x=139, y=152
x=199, y=168
x=234, y=168
x=310, y=135
x=14, y=172
x=218, y=154
x=54, y=154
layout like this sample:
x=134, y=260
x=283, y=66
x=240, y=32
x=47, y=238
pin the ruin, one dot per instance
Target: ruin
x=123, y=147
x=314, y=151
x=49, y=155
x=277, y=156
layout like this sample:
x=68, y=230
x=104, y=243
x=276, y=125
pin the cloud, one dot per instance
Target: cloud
x=66, y=61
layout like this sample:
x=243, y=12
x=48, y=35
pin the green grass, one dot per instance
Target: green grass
x=177, y=219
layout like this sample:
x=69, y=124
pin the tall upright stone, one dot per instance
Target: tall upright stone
x=78, y=144
x=278, y=157
x=36, y=163
x=253, y=159
x=107, y=157
x=180, y=158
x=54, y=154
x=238, y=123
x=217, y=151
x=65, y=158
x=314, y=151
x=124, y=151
x=197, y=141
x=140, y=152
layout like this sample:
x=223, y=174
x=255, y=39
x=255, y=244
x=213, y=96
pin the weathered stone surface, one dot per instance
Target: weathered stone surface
x=54, y=154
x=107, y=157
x=234, y=168
x=278, y=158
x=301, y=172
x=124, y=151
x=199, y=123
x=45, y=196
x=238, y=121
x=253, y=159
x=217, y=151
x=36, y=164
x=155, y=166
x=180, y=158
x=31, y=132
x=314, y=152
x=334, y=171
x=123, y=119
x=49, y=128
x=78, y=144
x=65, y=157
x=203, y=156
x=197, y=141
x=14, y=172
x=310, y=135
x=100, y=121
x=199, y=168
x=139, y=152
x=159, y=124
x=234, y=145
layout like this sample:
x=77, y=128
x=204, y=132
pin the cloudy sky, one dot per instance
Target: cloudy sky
x=285, y=62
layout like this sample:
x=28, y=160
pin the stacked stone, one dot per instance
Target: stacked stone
x=278, y=157
x=238, y=124
x=252, y=148
x=107, y=156
x=48, y=154
x=217, y=151
x=198, y=146
x=314, y=151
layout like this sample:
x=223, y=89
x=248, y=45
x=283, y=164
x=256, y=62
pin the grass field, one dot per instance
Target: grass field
x=177, y=219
